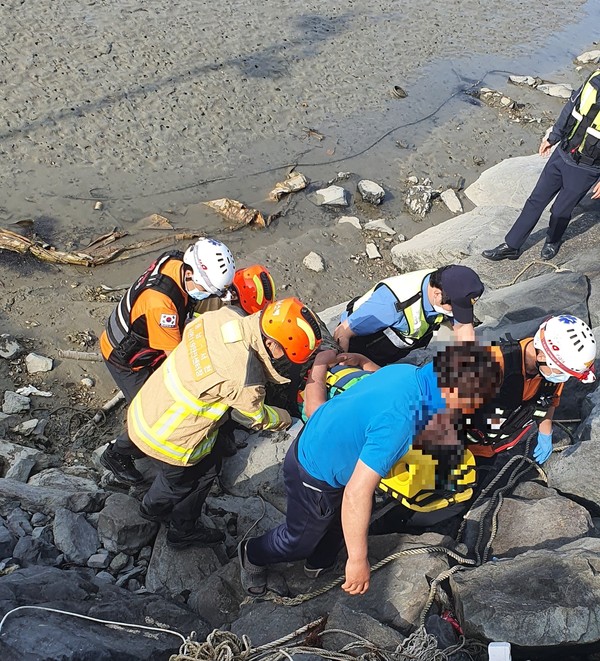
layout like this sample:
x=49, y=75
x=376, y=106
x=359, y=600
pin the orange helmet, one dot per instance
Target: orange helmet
x=254, y=287
x=296, y=328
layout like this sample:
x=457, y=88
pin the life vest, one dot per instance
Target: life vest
x=582, y=129
x=501, y=423
x=419, y=328
x=130, y=340
x=414, y=482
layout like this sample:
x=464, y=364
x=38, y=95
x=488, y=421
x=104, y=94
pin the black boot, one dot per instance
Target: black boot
x=179, y=538
x=503, y=251
x=121, y=466
x=550, y=250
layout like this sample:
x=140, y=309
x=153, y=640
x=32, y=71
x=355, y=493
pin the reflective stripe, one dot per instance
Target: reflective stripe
x=265, y=411
x=309, y=332
x=578, y=116
x=593, y=132
x=149, y=436
x=184, y=398
x=260, y=292
x=395, y=339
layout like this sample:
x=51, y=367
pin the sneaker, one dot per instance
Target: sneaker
x=315, y=572
x=121, y=466
x=198, y=536
x=503, y=251
x=550, y=250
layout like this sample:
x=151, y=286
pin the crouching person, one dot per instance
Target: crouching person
x=348, y=445
x=222, y=363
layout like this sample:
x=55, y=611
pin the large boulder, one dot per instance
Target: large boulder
x=250, y=512
x=73, y=478
x=539, y=598
x=122, y=528
x=40, y=635
x=48, y=500
x=31, y=551
x=575, y=473
x=74, y=536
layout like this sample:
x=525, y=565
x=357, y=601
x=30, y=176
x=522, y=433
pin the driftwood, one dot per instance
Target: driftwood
x=79, y=355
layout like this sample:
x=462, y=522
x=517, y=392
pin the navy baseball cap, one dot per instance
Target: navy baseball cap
x=461, y=287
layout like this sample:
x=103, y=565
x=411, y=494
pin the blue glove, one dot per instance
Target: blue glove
x=543, y=449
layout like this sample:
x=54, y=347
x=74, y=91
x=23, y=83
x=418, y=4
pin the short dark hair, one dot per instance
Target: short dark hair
x=470, y=369
x=435, y=279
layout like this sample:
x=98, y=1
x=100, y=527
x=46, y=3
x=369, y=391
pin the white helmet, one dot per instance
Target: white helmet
x=569, y=345
x=212, y=265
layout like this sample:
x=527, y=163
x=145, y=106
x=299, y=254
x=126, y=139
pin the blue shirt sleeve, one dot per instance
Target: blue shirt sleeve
x=376, y=313
x=387, y=440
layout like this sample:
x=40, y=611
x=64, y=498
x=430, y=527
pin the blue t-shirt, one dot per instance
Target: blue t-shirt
x=375, y=421
x=379, y=312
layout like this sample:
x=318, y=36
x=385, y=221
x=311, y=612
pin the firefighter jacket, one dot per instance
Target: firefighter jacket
x=220, y=364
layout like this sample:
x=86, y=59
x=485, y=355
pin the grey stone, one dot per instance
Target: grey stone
x=7, y=542
x=450, y=199
x=523, y=80
x=314, y=262
x=119, y=562
x=574, y=473
x=330, y=196
x=249, y=511
x=145, y=553
x=27, y=427
x=86, y=382
x=36, y=363
x=133, y=585
x=74, y=536
x=17, y=461
x=590, y=56
x=73, y=478
x=55, y=637
x=17, y=521
x=372, y=251
x=540, y=598
x=121, y=527
x=30, y=551
x=15, y=403
x=267, y=622
x=345, y=618
x=105, y=577
x=418, y=199
x=44, y=532
x=47, y=500
x=560, y=90
x=218, y=596
x=379, y=225
x=99, y=560
x=9, y=347
x=174, y=571
x=351, y=220
x=39, y=519
x=125, y=577
x=370, y=191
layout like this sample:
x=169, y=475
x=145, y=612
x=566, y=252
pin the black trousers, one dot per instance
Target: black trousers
x=178, y=492
x=569, y=183
x=381, y=350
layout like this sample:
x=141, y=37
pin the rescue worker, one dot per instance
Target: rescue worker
x=220, y=366
x=534, y=371
x=573, y=168
x=349, y=444
x=148, y=323
x=401, y=313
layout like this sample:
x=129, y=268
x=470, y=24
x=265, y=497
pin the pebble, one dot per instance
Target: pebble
x=351, y=220
x=314, y=262
x=9, y=347
x=450, y=199
x=86, y=382
x=413, y=180
x=119, y=562
x=370, y=191
x=379, y=225
x=589, y=56
x=373, y=251
x=37, y=363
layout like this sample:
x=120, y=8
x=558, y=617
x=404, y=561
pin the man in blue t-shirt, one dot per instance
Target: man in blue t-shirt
x=349, y=444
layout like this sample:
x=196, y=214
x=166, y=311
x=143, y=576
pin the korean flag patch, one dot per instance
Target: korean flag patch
x=168, y=321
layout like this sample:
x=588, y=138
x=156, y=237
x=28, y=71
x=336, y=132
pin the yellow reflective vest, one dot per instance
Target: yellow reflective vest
x=220, y=364
x=582, y=129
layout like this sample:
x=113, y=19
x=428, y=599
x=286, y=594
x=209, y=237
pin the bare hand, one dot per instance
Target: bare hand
x=326, y=357
x=545, y=148
x=596, y=192
x=358, y=573
x=350, y=359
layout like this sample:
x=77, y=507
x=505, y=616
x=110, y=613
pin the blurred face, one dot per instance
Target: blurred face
x=455, y=400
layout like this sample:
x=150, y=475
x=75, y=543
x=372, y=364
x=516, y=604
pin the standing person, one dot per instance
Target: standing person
x=220, y=366
x=573, y=168
x=534, y=371
x=401, y=313
x=349, y=444
x=148, y=323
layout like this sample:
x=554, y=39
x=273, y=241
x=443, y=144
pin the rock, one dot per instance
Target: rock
x=330, y=196
x=17, y=461
x=27, y=427
x=130, y=574
x=524, y=80
x=372, y=251
x=39, y=519
x=352, y=220
x=559, y=90
x=540, y=598
x=43, y=532
x=574, y=473
x=36, y=363
x=379, y=225
x=74, y=536
x=249, y=511
x=55, y=636
x=9, y=347
x=314, y=262
x=121, y=527
x=104, y=577
x=175, y=571
x=370, y=191
x=590, y=56
x=86, y=382
x=69, y=478
x=450, y=199
x=145, y=553
x=7, y=542
x=48, y=500
x=15, y=403
x=120, y=562
x=265, y=622
x=219, y=595
x=18, y=523
x=413, y=180
x=30, y=551
x=99, y=560
x=418, y=199
x=343, y=617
